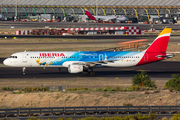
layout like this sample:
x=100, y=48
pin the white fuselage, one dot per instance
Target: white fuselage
x=107, y=18
x=65, y=58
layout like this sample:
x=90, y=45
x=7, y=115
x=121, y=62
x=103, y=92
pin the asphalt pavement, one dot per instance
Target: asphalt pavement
x=31, y=25
x=162, y=69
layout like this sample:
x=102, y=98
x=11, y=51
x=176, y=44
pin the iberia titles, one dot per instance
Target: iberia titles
x=51, y=55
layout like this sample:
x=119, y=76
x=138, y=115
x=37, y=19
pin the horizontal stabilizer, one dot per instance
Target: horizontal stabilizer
x=168, y=55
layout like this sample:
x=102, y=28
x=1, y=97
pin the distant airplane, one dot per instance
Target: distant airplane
x=2, y=17
x=120, y=18
x=84, y=61
x=105, y=18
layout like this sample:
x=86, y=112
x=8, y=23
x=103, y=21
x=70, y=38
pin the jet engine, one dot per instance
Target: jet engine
x=75, y=68
x=100, y=20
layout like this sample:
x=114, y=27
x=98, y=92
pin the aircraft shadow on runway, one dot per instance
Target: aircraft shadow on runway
x=163, y=69
x=107, y=73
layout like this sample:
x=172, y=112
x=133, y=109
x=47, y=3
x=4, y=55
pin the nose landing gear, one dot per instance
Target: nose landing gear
x=23, y=71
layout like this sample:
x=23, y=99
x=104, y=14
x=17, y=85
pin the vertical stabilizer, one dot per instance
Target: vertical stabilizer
x=89, y=15
x=161, y=42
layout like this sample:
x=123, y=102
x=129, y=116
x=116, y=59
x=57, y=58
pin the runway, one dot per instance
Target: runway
x=162, y=69
x=86, y=36
x=109, y=39
x=31, y=25
x=83, y=36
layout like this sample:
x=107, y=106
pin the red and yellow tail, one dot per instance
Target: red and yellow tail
x=161, y=42
x=89, y=15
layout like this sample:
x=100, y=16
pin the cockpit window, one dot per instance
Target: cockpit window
x=13, y=57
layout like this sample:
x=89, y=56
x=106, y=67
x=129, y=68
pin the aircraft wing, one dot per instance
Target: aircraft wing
x=94, y=62
x=168, y=55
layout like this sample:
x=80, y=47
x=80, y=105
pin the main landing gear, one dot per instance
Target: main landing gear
x=23, y=70
x=91, y=73
x=85, y=72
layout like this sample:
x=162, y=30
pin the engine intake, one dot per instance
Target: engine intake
x=75, y=68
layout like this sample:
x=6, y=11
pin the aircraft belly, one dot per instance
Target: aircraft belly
x=120, y=64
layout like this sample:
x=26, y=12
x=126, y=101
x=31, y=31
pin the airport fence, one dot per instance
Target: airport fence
x=90, y=110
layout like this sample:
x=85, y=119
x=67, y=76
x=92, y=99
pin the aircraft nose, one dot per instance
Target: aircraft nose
x=5, y=62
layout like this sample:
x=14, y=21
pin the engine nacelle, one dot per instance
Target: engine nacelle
x=75, y=68
x=100, y=20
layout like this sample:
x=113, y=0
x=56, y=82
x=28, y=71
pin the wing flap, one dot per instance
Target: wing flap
x=95, y=62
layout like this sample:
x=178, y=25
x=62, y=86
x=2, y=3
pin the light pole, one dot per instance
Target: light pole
x=96, y=8
x=1, y=7
x=16, y=10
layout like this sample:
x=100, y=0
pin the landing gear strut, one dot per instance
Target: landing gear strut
x=85, y=72
x=92, y=73
x=23, y=70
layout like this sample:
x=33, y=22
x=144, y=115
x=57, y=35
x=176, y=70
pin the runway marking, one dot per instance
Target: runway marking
x=143, y=70
x=82, y=77
x=101, y=78
x=174, y=37
x=4, y=79
x=128, y=69
x=2, y=65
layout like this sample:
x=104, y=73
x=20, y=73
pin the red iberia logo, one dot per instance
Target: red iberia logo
x=51, y=54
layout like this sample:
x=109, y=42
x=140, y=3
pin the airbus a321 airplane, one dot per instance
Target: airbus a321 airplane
x=105, y=18
x=84, y=61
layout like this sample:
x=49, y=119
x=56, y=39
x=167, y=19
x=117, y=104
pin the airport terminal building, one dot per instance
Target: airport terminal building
x=64, y=8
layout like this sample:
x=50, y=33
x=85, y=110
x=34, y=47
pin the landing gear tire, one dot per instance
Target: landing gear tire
x=92, y=73
x=85, y=72
x=23, y=71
